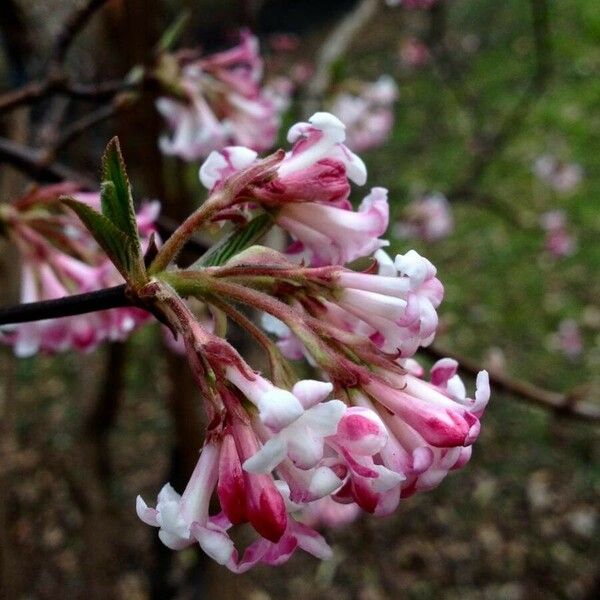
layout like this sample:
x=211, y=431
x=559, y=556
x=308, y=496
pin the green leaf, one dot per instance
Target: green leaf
x=117, y=201
x=113, y=241
x=239, y=239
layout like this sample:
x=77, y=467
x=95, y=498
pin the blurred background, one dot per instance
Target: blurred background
x=493, y=166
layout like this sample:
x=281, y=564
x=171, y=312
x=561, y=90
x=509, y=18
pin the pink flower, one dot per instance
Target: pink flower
x=317, y=169
x=49, y=272
x=563, y=177
x=302, y=441
x=225, y=104
x=429, y=218
x=368, y=114
x=399, y=304
x=184, y=520
x=559, y=242
x=414, y=53
x=360, y=444
x=406, y=437
x=326, y=512
x=277, y=407
x=567, y=339
x=336, y=236
x=297, y=535
x=253, y=497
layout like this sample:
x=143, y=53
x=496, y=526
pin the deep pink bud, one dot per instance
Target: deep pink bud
x=231, y=488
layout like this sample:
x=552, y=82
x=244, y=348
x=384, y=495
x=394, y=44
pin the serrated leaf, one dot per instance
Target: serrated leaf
x=239, y=239
x=113, y=241
x=117, y=201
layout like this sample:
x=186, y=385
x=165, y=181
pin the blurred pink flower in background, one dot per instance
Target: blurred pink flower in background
x=428, y=218
x=414, y=53
x=367, y=113
x=562, y=177
x=225, y=103
x=60, y=259
x=559, y=242
x=567, y=339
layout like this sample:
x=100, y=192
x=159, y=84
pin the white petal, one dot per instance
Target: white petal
x=274, y=326
x=387, y=479
x=240, y=157
x=456, y=388
x=217, y=544
x=278, y=408
x=145, y=513
x=268, y=457
x=386, y=264
x=324, y=418
x=310, y=391
x=210, y=169
x=173, y=541
x=324, y=482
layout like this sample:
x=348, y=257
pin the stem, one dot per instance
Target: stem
x=73, y=25
x=224, y=198
x=186, y=230
x=276, y=361
x=78, y=304
x=33, y=163
x=335, y=46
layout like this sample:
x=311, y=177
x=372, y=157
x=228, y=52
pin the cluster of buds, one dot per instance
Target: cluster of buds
x=218, y=100
x=367, y=109
x=282, y=454
x=58, y=258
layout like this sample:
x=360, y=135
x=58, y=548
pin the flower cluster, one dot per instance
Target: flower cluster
x=58, y=258
x=367, y=112
x=285, y=455
x=221, y=102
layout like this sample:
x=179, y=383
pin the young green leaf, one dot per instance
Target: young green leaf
x=117, y=246
x=117, y=201
x=239, y=239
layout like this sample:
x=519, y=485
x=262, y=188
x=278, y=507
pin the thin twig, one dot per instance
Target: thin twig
x=72, y=26
x=336, y=44
x=59, y=84
x=566, y=404
x=80, y=126
x=448, y=70
x=34, y=163
x=78, y=304
x=491, y=145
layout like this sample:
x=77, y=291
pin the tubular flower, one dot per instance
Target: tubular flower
x=60, y=258
x=224, y=104
x=333, y=235
x=310, y=190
